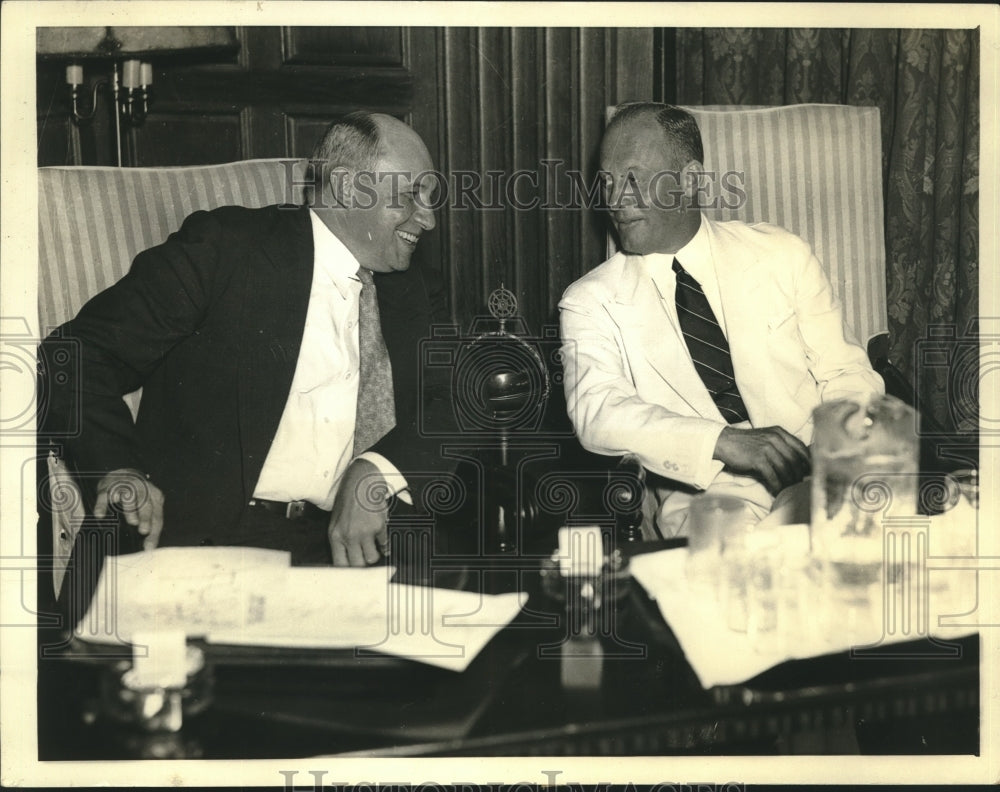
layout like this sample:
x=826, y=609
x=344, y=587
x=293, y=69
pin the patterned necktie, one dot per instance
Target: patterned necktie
x=376, y=413
x=708, y=346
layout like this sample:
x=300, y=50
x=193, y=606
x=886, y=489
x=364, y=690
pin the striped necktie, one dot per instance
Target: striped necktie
x=376, y=413
x=708, y=346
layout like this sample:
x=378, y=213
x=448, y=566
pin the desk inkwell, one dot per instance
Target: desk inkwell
x=151, y=681
x=589, y=580
x=165, y=680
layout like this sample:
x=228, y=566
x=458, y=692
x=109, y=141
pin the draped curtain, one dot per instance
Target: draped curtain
x=926, y=85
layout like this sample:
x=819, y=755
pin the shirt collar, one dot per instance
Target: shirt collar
x=695, y=257
x=331, y=258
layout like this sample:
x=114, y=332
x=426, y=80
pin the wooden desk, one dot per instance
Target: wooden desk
x=512, y=700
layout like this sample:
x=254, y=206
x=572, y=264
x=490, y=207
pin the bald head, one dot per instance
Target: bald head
x=681, y=135
x=650, y=156
x=376, y=191
x=352, y=143
x=400, y=148
x=360, y=141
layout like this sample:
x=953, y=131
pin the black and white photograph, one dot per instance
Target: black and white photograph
x=493, y=395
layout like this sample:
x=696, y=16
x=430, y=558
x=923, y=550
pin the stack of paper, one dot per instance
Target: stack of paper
x=941, y=602
x=233, y=595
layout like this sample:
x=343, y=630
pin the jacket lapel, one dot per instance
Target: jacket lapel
x=658, y=356
x=278, y=285
x=744, y=310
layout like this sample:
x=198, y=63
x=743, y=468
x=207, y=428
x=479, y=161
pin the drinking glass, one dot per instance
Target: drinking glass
x=710, y=518
x=864, y=496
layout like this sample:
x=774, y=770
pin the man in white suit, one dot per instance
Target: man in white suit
x=737, y=419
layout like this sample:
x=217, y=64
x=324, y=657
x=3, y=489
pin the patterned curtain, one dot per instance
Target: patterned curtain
x=926, y=85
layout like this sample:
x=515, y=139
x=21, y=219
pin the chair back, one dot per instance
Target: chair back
x=815, y=170
x=92, y=221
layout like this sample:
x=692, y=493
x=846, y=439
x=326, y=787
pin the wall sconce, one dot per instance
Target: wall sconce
x=132, y=104
x=131, y=75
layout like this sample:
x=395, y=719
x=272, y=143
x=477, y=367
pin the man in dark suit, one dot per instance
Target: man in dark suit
x=269, y=415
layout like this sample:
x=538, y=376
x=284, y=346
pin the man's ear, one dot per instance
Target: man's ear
x=339, y=183
x=692, y=176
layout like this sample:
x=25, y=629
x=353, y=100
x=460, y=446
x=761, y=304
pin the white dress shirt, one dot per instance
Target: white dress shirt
x=315, y=439
x=696, y=257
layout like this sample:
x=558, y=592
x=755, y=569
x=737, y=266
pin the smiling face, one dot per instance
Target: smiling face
x=645, y=188
x=388, y=211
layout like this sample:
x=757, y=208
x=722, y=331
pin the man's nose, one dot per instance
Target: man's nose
x=622, y=195
x=424, y=216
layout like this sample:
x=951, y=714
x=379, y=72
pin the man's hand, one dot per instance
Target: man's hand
x=139, y=500
x=359, y=517
x=775, y=457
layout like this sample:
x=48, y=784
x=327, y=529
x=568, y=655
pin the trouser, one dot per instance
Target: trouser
x=666, y=507
x=305, y=538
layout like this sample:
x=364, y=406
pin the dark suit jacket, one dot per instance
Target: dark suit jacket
x=209, y=324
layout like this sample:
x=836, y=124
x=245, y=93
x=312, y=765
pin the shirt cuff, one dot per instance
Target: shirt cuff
x=394, y=480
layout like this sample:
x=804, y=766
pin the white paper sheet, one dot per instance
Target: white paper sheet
x=344, y=608
x=232, y=595
x=196, y=589
x=811, y=626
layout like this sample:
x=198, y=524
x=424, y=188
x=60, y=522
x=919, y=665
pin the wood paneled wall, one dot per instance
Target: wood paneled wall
x=490, y=103
x=527, y=101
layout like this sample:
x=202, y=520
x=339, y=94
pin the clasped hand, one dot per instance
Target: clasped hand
x=772, y=455
x=360, y=516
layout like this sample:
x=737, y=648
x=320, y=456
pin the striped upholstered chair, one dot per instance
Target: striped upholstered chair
x=815, y=170
x=93, y=221
x=91, y=224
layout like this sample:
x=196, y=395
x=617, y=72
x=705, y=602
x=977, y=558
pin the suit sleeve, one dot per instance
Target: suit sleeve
x=608, y=414
x=837, y=362
x=119, y=337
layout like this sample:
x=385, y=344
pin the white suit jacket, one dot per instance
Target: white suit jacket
x=631, y=386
